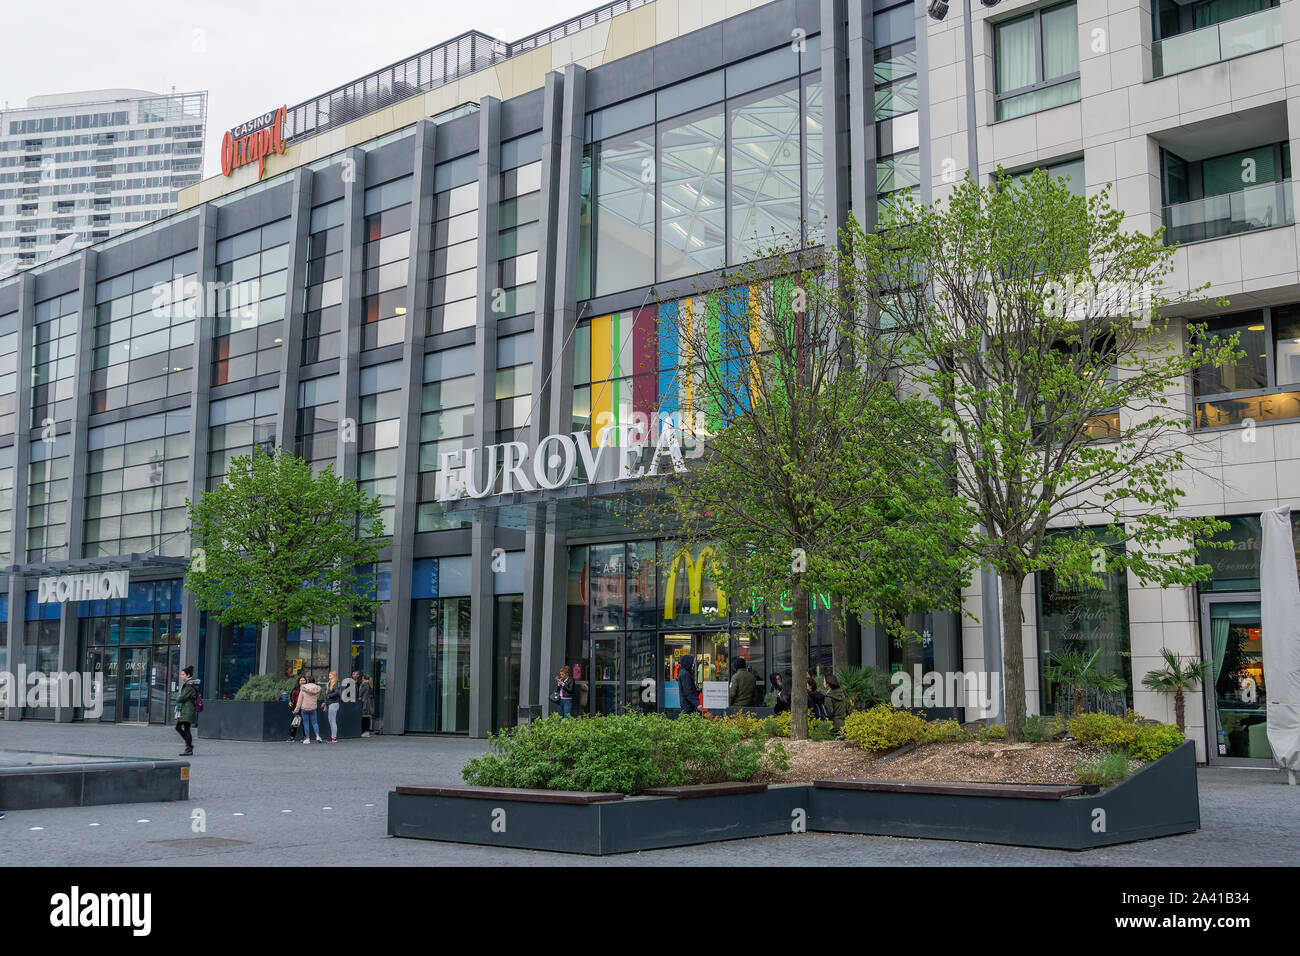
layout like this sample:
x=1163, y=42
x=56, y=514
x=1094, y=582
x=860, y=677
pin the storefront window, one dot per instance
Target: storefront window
x=1078, y=617
x=507, y=644
x=438, y=680
x=1236, y=568
x=605, y=586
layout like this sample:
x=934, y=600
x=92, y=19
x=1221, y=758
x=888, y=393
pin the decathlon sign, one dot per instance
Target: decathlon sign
x=96, y=586
x=253, y=142
x=473, y=472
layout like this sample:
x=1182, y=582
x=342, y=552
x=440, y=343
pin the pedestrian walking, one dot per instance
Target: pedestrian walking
x=366, y=697
x=333, y=700
x=308, y=697
x=687, y=689
x=185, y=708
x=563, y=694
x=836, y=703
x=295, y=719
x=743, y=687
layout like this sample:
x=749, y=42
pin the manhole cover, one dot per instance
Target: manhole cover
x=200, y=843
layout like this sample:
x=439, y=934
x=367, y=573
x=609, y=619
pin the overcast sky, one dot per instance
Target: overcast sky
x=250, y=57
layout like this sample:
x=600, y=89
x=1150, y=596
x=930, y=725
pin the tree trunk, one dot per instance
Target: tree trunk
x=1078, y=700
x=281, y=650
x=799, y=662
x=1013, y=658
x=839, y=642
x=1179, y=714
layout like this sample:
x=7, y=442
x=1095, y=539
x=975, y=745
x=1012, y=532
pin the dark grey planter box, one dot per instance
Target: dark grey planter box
x=265, y=720
x=1159, y=799
x=40, y=781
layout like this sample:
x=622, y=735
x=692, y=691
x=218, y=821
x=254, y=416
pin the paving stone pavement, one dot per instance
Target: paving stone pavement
x=278, y=799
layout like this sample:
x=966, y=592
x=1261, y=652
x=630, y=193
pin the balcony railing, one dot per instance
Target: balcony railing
x=1256, y=207
x=1222, y=41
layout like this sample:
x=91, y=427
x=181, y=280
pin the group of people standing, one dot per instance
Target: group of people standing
x=831, y=704
x=308, y=698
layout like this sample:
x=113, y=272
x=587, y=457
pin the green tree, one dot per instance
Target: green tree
x=1036, y=323
x=811, y=475
x=276, y=543
x=1178, y=676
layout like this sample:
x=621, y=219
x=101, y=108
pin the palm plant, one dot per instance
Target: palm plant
x=864, y=686
x=1177, y=676
x=1080, y=671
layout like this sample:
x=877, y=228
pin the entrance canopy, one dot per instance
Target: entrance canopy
x=625, y=508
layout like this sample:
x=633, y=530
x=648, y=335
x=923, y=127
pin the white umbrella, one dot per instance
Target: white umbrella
x=1279, y=591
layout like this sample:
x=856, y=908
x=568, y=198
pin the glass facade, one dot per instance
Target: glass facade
x=323, y=316
x=237, y=426
x=137, y=474
x=381, y=414
x=520, y=209
x=144, y=334
x=1264, y=383
x=132, y=647
x=446, y=425
x=385, y=262
x=453, y=288
x=248, y=331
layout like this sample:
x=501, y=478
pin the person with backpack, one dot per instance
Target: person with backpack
x=188, y=704
x=308, y=695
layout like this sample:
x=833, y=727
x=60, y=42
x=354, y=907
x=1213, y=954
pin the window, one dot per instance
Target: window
x=1070, y=170
x=446, y=425
x=384, y=263
x=1223, y=195
x=453, y=286
x=623, y=211
x=517, y=240
x=322, y=325
x=248, y=329
x=1189, y=35
x=692, y=197
x=1037, y=61
x=765, y=161
x=1264, y=384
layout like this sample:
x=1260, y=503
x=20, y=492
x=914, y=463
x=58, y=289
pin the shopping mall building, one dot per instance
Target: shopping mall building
x=474, y=246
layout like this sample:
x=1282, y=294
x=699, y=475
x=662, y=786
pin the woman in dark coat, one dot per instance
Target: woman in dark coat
x=782, y=695
x=687, y=689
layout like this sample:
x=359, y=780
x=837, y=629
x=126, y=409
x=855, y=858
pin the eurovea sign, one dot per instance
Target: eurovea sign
x=253, y=141
x=554, y=462
x=95, y=586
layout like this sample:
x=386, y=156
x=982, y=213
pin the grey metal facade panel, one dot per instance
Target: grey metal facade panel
x=82, y=366
x=688, y=55
x=291, y=348
x=163, y=244
x=325, y=187
x=621, y=80
x=745, y=34
x=862, y=116
x=60, y=280
x=269, y=205
x=407, y=498
x=391, y=161
x=522, y=114
x=448, y=340
x=440, y=544
x=458, y=137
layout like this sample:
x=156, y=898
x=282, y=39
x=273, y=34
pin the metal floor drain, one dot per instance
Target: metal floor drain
x=200, y=843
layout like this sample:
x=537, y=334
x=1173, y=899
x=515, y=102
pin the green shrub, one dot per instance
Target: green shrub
x=883, y=728
x=779, y=726
x=1039, y=729
x=1130, y=734
x=991, y=732
x=865, y=687
x=265, y=687
x=1103, y=771
x=942, y=732
x=618, y=753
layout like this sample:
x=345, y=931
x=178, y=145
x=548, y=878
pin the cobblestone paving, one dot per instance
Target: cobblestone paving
x=279, y=798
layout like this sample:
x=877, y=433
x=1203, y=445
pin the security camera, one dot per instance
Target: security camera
x=938, y=9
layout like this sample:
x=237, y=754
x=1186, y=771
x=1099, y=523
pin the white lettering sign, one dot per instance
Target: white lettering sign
x=553, y=463
x=95, y=586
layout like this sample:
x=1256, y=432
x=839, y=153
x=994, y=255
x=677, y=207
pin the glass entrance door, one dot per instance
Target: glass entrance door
x=709, y=650
x=607, y=674
x=135, y=684
x=103, y=666
x=1234, y=689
